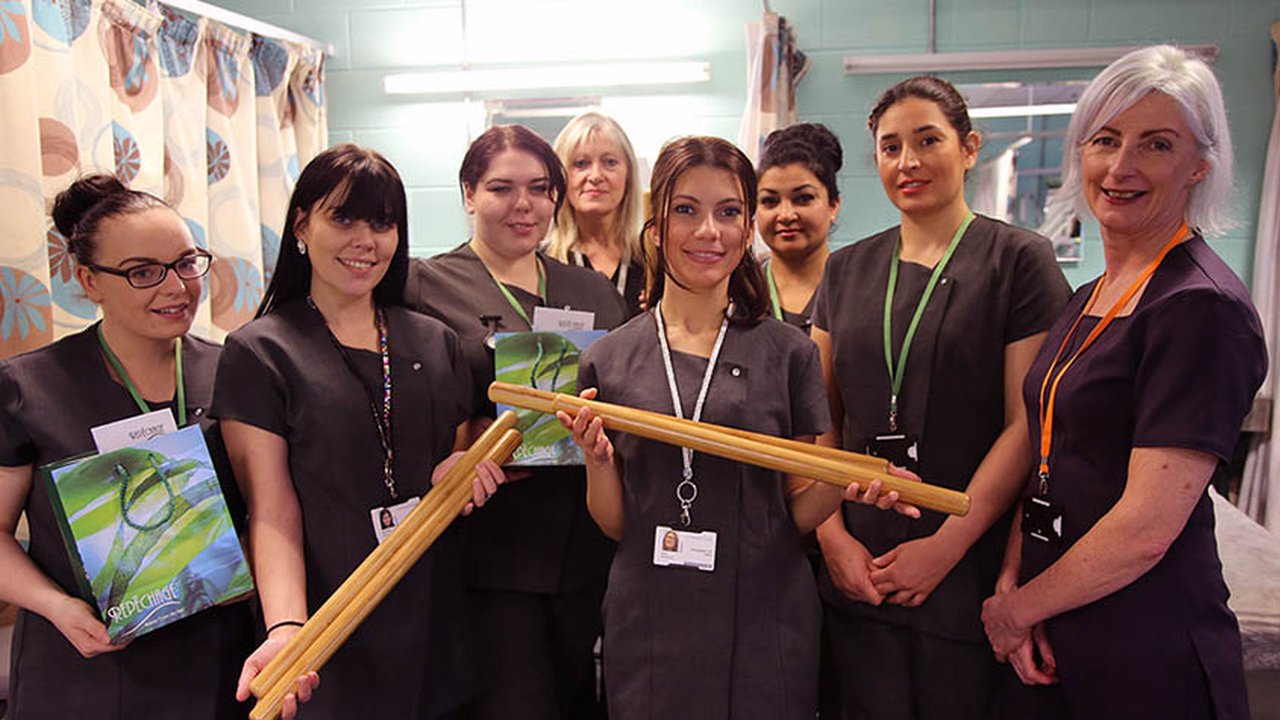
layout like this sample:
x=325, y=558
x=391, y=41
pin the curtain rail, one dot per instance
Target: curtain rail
x=244, y=22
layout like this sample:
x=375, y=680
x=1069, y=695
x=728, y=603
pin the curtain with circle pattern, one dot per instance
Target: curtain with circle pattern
x=215, y=122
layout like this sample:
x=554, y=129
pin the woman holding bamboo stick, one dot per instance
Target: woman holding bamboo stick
x=337, y=402
x=926, y=331
x=136, y=260
x=711, y=609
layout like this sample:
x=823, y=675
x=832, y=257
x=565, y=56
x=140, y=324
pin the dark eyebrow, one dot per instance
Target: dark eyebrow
x=142, y=260
x=728, y=200
x=688, y=198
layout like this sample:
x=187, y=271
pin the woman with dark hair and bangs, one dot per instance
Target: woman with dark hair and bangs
x=536, y=564
x=337, y=402
x=711, y=609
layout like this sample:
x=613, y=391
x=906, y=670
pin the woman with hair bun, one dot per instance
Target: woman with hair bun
x=799, y=204
x=926, y=331
x=536, y=564
x=711, y=610
x=135, y=259
x=598, y=226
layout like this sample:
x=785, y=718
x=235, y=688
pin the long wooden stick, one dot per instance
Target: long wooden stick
x=374, y=578
x=829, y=465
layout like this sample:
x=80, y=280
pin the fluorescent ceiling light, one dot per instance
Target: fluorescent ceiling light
x=1022, y=110
x=547, y=77
x=999, y=59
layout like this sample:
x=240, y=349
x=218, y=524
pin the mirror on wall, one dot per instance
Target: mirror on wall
x=1019, y=168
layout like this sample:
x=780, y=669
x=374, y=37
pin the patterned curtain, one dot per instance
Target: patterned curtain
x=171, y=105
x=1260, y=488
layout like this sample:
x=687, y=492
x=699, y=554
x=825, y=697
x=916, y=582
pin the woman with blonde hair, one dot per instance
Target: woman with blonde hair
x=599, y=224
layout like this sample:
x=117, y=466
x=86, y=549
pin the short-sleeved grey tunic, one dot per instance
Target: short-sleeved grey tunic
x=741, y=641
x=1002, y=285
x=410, y=658
x=49, y=399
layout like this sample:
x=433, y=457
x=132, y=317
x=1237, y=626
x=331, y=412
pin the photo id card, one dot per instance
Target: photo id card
x=684, y=549
x=387, y=518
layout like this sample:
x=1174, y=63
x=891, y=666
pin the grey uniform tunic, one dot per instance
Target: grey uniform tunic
x=411, y=657
x=742, y=641
x=49, y=399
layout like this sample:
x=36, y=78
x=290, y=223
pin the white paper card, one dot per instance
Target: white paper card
x=684, y=549
x=386, y=519
x=547, y=319
x=131, y=431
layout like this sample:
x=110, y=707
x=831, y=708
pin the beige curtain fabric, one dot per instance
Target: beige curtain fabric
x=1260, y=489
x=171, y=105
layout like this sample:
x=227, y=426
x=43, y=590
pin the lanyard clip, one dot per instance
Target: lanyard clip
x=1043, y=488
x=893, y=413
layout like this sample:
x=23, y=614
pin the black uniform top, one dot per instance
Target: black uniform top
x=282, y=373
x=1180, y=371
x=742, y=641
x=49, y=400
x=634, y=286
x=1002, y=285
x=535, y=535
x=802, y=319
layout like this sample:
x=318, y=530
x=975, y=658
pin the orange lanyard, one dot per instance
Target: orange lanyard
x=1046, y=408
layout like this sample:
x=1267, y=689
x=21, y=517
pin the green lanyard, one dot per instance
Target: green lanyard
x=133, y=389
x=515, y=305
x=773, y=290
x=896, y=374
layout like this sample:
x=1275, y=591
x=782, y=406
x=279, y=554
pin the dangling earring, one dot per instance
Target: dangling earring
x=302, y=248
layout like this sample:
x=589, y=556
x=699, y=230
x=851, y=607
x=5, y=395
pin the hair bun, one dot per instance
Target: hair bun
x=806, y=139
x=73, y=203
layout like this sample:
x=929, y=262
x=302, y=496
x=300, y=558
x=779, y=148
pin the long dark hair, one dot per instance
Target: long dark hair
x=365, y=186
x=507, y=137
x=747, y=288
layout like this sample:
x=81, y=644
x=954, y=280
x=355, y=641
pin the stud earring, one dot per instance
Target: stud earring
x=302, y=248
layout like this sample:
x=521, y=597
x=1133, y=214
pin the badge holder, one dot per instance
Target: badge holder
x=1041, y=517
x=387, y=517
x=901, y=449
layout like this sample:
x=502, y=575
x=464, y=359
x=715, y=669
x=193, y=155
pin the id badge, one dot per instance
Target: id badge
x=1042, y=520
x=386, y=518
x=901, y=449
x=136, y=429
x=683, y=548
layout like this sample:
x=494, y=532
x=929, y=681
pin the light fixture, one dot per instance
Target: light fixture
x=1000, y=59
x=548, y=77
x=1022, y=110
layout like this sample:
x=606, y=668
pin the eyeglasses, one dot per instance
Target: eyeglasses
x=187, y=267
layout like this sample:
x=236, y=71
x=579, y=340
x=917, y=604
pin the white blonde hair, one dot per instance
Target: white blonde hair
x=563, y=236
x=1190, y=82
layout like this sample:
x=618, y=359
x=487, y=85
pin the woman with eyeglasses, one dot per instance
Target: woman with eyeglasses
x=136, y=260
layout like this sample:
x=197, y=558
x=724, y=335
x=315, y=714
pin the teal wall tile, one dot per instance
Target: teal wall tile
x=437, y=222
x=1146, y=21
x=408, y=37
x=979, y=25
x=878, y=25
x=1053, y=23
x=429, y=158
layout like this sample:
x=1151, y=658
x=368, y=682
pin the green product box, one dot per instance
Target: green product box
x=148, y=532
x=546, y=361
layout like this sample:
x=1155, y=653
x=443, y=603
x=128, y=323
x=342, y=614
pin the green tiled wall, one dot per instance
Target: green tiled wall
x=426, y=137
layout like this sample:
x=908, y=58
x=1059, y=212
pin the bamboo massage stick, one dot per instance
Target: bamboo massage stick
x=829, y=465
x=360, y=593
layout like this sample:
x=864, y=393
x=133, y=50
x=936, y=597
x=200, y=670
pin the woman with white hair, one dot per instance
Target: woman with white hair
x=599, y=224
x=1112, y=592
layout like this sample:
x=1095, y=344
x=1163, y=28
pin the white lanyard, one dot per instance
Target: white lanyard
x=623, y=264
x=687, y=487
